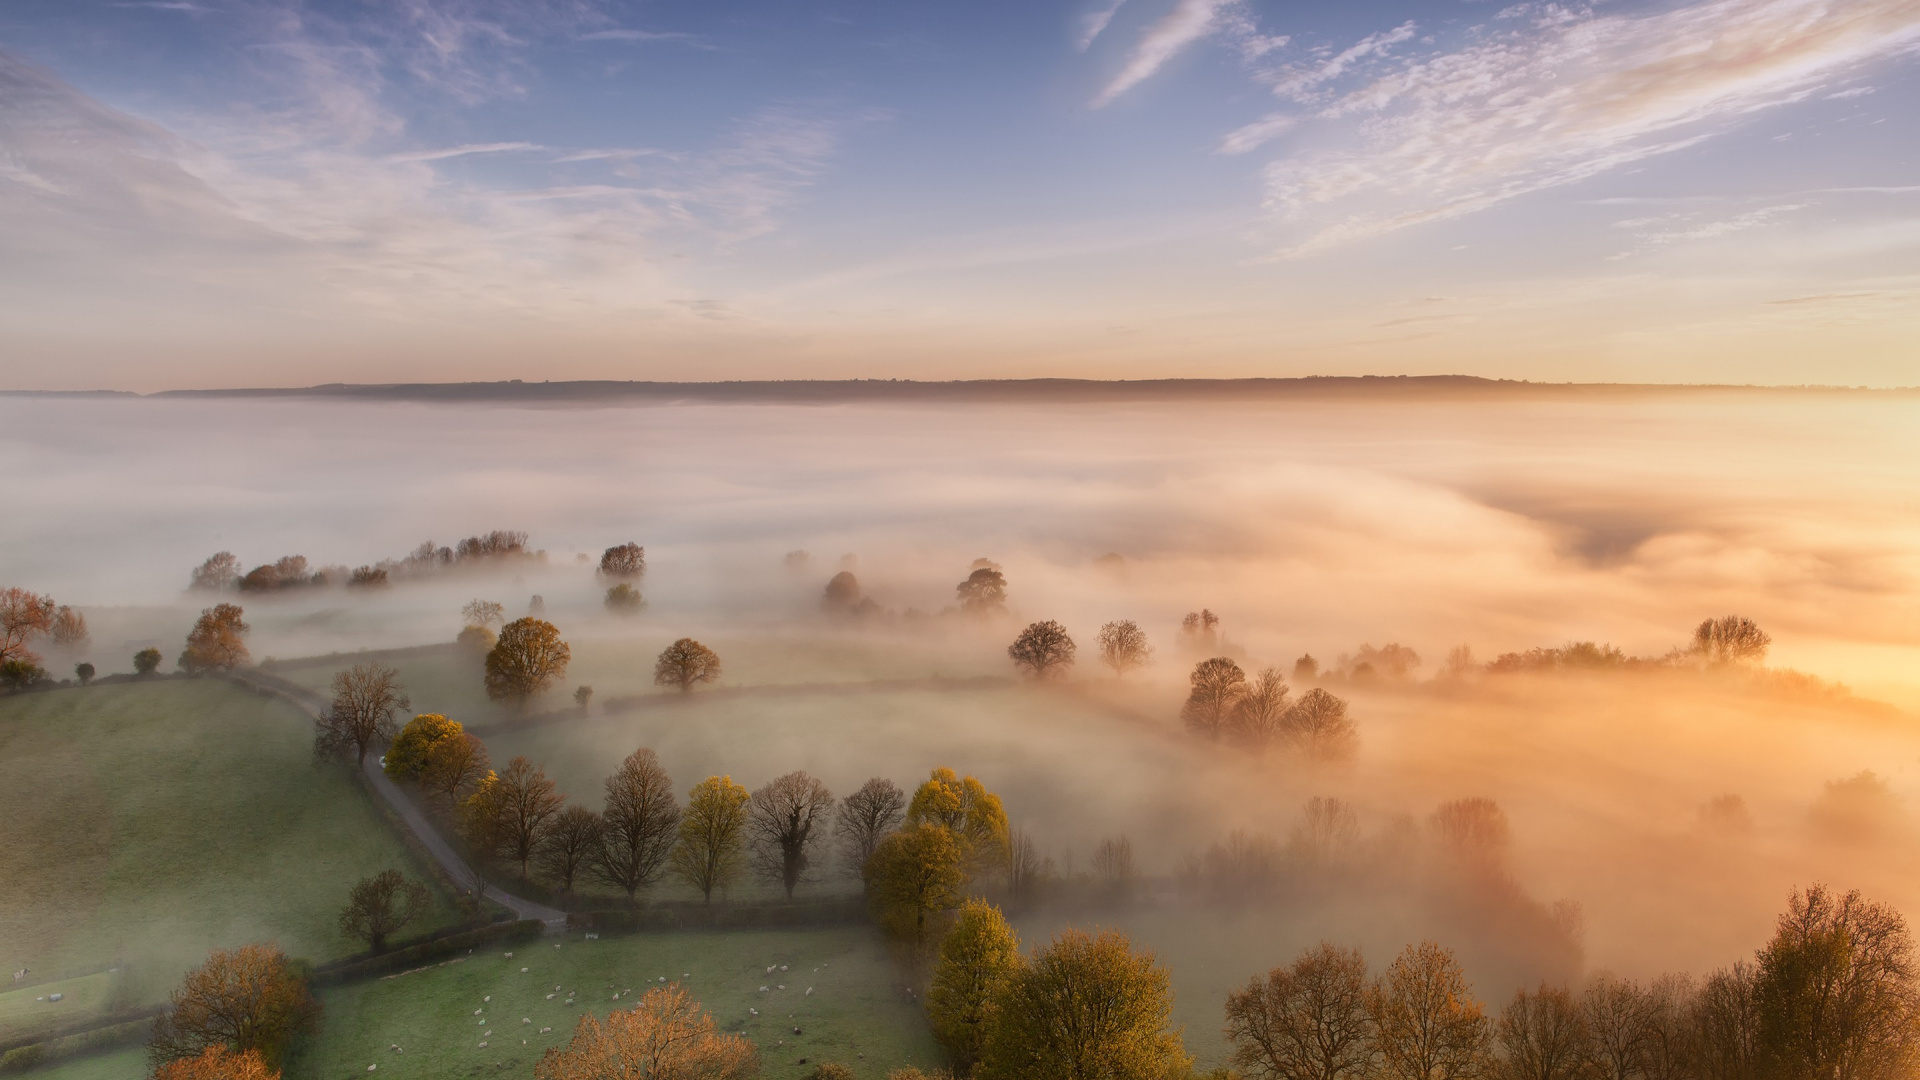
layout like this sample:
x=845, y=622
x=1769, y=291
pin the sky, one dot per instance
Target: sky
x=207, y=193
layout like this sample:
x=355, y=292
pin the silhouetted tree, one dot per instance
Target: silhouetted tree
x=685, y=663
x=249, y=998
x=483, y=613
x=84, y=672
x=455, y=766
x=624, y=562
x=1123, y=646
x=1328, y=828
x=527, y=659
x=381, y=905
x=786, y=820
x=69, y=628
x=1085, y=1008
x=1835, y=993
x=1200, y=631
x=1318, y=724
x=583, y=696
x=1725, y=1018
x=1619, y=1020
x=216, y=641
x=640, y=825
x=221, y=571
x=1306, y=669
x=1543, y=1036
x=1305, y=1022
x=146, y=661
x=712, y=831
x=366, y=697
x=1216, y=688
x=1730, y=639
x=571, y=842
x=1044, y=649
x=1260, y=715
x=1474, y=830
x=624, y=599
x=843, y=592
x=984, y=592
x=527, y=801
x=1112, y=866
x=863, y=818
x=1427, y=1024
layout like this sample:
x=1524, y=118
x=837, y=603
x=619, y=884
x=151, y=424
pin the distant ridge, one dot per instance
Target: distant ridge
x=1062, y=391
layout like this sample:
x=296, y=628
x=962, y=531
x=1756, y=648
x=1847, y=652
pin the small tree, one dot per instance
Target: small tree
x=640, y=826
x=1318, y=724
x=216, y=641
x=217, y=1062
x=1260, y=716
x=527, y=801
x=1112, y=866
x=712, y=830
x=914, y=877
x=527, y=659
x=842, y=593
x=1200, y=631
x=1216, y=688
x=20, y=674
x=69, y=629
x=1306, y=1022
x=984, y=592
x=624, y=562
x=571, y=842
x=249, y=998
x=366, y=697
x=786, y=820
x=1123, y=647
x=865, y=817
x=483, y=613
x=1730, y=639
x=978, y=958
x=380, y=905
x=455, y=767
x=219, y=573
x=1427, y=1024
x=666, y=1035
x=84, y=672
x=23, y=617
x=1085, y=1008
x=583, y=696
x=146, y=661
x=624, y=599
x=685, y=663
x=1044, y=649
x=406, y=757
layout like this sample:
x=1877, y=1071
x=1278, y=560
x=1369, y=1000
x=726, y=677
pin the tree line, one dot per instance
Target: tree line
x=27, y=619
x=223, y=571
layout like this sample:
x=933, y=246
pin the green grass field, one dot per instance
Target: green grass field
x=857, y=1006
x=148, y=823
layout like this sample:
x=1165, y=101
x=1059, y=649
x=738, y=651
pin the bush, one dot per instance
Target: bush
x=146, y=661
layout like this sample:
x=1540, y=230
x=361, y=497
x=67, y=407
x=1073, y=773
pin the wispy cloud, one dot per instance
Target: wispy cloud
x=1095, y=21
x=1678, y=228
x=1562, y=96
x=636, y=35
x=1188, y=22
x=462, y=151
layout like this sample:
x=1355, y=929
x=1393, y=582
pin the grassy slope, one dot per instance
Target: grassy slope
x=151, y=822
x=856, y=1007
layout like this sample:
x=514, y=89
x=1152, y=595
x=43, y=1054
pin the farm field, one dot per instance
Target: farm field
x=151, y=822
x=440, y=1017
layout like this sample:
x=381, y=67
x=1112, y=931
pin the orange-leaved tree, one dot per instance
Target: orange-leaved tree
x=215, y=642
x=249, y=998
x=526, y=660
x=667, y=1034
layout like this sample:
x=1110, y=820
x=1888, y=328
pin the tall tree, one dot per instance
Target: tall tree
x=1305, y=1022
x=381, y=905
x=1085, y=1008
x=913, y=879
x=219, y=573
x=686, y=663
x=667, y=1036
x=483, y=832
x=1328, y=829
x=1543, y=1036
x=1044, y=649
x=249, y=998
x=1835, y=993
x=455, y=766
x=974, y=815
x=1216, y=686
x=640, y=825
x=786, y=820
x=23, y=617
x=571, y=842
x=712, y=830
x=1123, y=646
x=1725, y=1019
x=366, y=698
x=978, y=957
x=527, y=659
x=527, y=801
x=1619, y=1015
x=1427, y=1024
x=216, y=641
x=865, y=817
x=1260, y=715
x=1318, y=724
x=628, y=560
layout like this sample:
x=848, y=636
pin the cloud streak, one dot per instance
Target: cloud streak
x=1188, y=22
x=1565, y=97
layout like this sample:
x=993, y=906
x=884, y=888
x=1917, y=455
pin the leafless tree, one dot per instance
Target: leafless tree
x=528, y=801
x=786, y=820
x=626, y=561
x=483, y=612
x=1112, y=866
x=366, y=699
x=1668, y=1052
x=1305, y=1022
x=571, y=841
x=1216, y=688
x=1731, y=639
x=1428, y=1025
x=1044, y=649
x=864, y=818
x=1726, y=1025
x=69, y=627
x=1328, y=829
x=1319, y=725
x=381, y=905
x=1244, y=866
x=1474, y=830
x=639, y=826
x=686, y=663
x=1260, y=715
x=1123, y=646
x=1543, y=1036
x=1619, y=1016
x=1024, y=866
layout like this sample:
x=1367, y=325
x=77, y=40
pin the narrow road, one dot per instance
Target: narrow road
x=314, y=705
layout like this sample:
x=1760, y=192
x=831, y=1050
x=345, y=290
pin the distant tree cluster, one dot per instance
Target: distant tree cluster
x=223, y=571
x=26, y=618
x=1223, y=705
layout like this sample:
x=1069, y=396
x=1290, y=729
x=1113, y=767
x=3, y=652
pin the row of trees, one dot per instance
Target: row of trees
x=1223, y=704
x=223, y=571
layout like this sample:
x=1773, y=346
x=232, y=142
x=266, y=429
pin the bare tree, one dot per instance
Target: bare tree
x=1428, y=1025
x=1319, y=725
x=527, y=802
x=864, y=818
x=786, y=820
x=483, y=613
x=454, y=766
x=1328, y=829
x=1731, y=639
x=69, y=628
x=1123, y=646
x=220, y=572
x=1726, y=1025
x=1305, y=1022
x=1217, y=686
x=628, y=560
x=1619, y=1015
x=639, y=826
x=572, y=840
x=381, y=905
x=1260, y=716
x=366, y=698
x=1024, y=866
x=1113, y=866
x=1543, y=1036
x=1668, y=1051
x=686, y=663
x=1474, y=830
x=1044, y=649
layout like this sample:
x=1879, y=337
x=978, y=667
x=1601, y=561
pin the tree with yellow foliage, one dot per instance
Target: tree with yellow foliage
x=978, y=958
x=407, y=755
x=711, y=852
x=965, y=807
x=914, y=878
x=667, y=1035
x=1085, y=1008
x=526, y=660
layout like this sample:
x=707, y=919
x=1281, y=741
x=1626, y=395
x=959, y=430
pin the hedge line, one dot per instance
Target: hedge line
x=106, y=1037
x=424, y=952
x=665, y=918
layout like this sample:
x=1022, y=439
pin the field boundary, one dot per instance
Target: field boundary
x=668, y=699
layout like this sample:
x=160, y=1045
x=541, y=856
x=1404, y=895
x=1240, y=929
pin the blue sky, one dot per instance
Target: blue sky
x=205, y=192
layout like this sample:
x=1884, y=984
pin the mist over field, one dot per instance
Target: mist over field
x=1308, y=528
